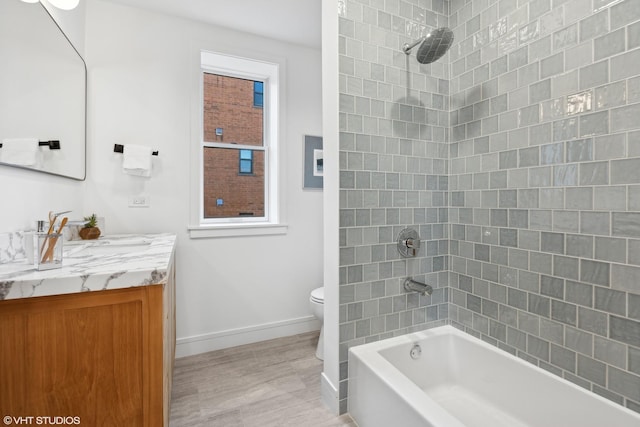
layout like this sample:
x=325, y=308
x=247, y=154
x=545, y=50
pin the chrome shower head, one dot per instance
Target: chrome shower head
x=433, y=46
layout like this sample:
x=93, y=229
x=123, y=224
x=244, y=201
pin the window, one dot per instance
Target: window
x=246, y=161
x=258, y=94
x=230, y=173
x=238, y=181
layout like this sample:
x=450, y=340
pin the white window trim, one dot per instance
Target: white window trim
x=270, y=74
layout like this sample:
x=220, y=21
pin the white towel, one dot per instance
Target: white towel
x=137, y=160
x=20, y=151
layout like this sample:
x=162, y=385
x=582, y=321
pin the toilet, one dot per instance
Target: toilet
x=316, y=300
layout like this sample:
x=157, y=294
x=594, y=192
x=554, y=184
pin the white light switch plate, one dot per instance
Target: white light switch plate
x=142, y=201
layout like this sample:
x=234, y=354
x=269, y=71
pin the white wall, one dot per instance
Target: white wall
x=331, y=374
x=230, y=290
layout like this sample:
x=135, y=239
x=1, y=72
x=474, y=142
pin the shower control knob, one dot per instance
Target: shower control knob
x=413, y=244
x=408, y=242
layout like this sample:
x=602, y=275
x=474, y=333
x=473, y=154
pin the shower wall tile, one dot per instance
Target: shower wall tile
x=594, y=25
x=633, y=35
x=517, y=158
x=624, y=13
x=394, y=129
x=552, y=202
x=619, y=62
x=609, y=44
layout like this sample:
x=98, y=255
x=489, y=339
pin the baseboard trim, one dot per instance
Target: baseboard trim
x=329, y=394
x=233, y=337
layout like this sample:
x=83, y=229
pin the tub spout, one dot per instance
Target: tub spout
x=411, y=285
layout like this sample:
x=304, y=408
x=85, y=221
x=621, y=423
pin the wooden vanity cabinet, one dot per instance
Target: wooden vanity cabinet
x=105, y=357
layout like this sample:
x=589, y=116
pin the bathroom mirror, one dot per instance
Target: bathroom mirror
x=42, y=93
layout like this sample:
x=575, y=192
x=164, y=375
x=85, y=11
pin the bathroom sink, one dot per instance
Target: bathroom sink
x=109, y=247
x=115, y=249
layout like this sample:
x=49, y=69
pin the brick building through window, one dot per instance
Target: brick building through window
x=234, y=178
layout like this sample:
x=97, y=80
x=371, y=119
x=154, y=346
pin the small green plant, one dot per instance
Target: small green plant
x=91, y=221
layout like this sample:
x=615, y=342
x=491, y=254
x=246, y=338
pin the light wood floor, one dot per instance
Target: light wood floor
x=274, y=383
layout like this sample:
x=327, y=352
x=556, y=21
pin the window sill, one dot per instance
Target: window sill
x=235, y=230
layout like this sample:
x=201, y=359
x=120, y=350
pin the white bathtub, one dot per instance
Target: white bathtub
x=460, y=381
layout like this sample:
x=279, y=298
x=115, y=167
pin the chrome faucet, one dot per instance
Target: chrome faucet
x=411, y=285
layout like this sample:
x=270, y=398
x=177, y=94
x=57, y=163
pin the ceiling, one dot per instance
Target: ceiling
x=293, y=21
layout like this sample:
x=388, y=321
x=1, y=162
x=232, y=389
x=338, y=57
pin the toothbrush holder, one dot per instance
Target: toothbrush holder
x=50, y=251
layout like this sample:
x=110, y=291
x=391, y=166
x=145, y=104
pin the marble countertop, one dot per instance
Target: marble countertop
x=119, y=261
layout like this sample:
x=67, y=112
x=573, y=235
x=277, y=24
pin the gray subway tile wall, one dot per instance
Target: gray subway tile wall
x=517, y=158
x=566, y=104
x=394, y=126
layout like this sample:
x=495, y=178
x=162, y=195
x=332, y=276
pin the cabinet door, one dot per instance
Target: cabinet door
x=84, y=355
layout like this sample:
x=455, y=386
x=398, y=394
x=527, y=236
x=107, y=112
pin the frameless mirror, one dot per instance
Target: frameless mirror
x=42, y=93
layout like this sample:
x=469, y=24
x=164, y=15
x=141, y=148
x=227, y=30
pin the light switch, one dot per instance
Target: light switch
x=141, y=201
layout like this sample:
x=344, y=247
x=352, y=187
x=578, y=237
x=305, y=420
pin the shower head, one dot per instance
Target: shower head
x=432, y=47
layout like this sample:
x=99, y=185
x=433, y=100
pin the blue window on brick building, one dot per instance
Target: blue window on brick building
x=246, y=161
x=258, y=94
